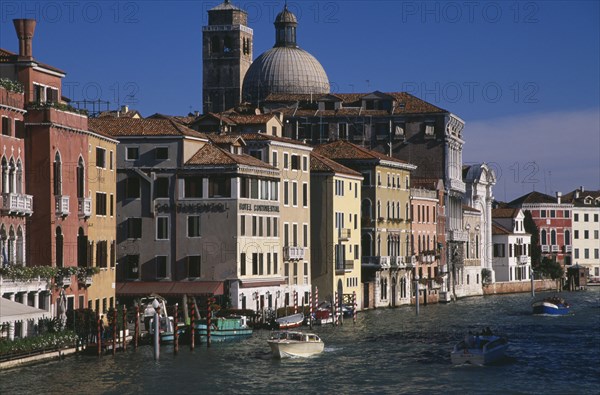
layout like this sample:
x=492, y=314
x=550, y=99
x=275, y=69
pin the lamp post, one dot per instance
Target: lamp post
x=156, y=307
x=242, y=296
x=277, y=295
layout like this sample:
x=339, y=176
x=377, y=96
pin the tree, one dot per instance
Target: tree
x=551, y=268
x=531, y=228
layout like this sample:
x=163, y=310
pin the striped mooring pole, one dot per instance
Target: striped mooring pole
x=295, y=302
x=310, y=310
x=354, y=306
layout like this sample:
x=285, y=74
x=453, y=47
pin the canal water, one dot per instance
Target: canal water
x=388, y=351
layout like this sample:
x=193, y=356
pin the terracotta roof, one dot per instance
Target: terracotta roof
x=533, y=198
x=426, y=183
x=267, y=137
x=213, y=155
x=499, y=229
x=120, y=127
x=406, y=103
x=570, y=197
x=184, y=120
x=7, y=56
x=251, y=119
x=225, y=138
x=219, y=117
x=505, y=212
x=320, y=164
x=344, y=150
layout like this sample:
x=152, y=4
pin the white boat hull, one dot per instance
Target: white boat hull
x=286, y=349
x=475, y=355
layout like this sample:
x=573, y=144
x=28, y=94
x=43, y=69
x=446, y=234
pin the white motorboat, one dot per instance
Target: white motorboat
x=479, y=350
x=295, y=344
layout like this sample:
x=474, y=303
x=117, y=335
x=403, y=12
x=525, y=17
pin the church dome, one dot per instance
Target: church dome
x=285, y=68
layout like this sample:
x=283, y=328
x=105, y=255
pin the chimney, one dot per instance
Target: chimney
x=581, y=189
x=124, y=109
x=577, y=194
x=25, y=29
x=558, y=196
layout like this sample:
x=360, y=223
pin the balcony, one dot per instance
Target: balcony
x=84, y=207
x=398, y=262
x=555, y=248
x=64, y=281
x=522, y=259
x=458, y=235
x=17, y=204
x=568, y=249
x=346, y=267
x=382, y=262
x=293, y=253
x=411, y=261
x=62, y=205
x=457, y=185
x=344, y=234
x=545, y=248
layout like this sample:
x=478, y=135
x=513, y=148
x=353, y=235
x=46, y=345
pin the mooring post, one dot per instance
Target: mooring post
x=124, y=328
x=192, y=326
x=208, y=323
x=175, y=331
x=417, y=294
x=335, y=308
x=310, y=310
x=354, y=306
x=136, y=329
x=99, y=321
x=156, y=324
x=114, y=350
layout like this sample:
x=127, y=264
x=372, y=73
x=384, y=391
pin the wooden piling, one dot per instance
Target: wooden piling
x=124, y=328
x=99, y=341
x=193, y=326
x=208, y=323
x=310, y=317
x=176, y=332
x=295, y=302
x=354, y=306
x=136, y=330
x=114, y=350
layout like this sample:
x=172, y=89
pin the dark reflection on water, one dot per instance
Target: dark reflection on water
x=388, y=351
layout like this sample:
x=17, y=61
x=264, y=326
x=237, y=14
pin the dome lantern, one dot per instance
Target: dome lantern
x=285, y=29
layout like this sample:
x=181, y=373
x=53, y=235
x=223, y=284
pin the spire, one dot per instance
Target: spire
x=285, y=28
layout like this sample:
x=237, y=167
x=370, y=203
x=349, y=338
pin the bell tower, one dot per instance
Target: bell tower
x=226, y=56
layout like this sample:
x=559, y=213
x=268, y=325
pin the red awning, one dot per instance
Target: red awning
x=169, y=288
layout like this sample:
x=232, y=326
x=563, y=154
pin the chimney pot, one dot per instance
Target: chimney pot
x=25, y=29
x=558, y=196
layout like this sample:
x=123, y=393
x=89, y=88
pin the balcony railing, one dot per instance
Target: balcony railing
x=17, y=203
x=381, y=261
x=346, y=266
x=398, y=261
x=523, y=259
x=85, y=207
x=545, y=248
x=458, y=235
x=344, y=234
x=411, y=261
x=293, y=253
x=457, y=185
x=555, y=248
x=568, y=249
x=62, y=205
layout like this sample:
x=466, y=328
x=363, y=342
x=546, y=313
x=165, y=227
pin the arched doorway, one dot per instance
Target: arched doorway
x=393, y=291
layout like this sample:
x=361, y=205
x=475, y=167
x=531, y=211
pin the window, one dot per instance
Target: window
x=100, y=157
x=219, y=187
x=194, y=266
x=6, y=126
x=100, y=203
x=132, y=266
x=286, y=235
x=260, y=226
x=161, y=188
x=193, y=226
x=576, y=217
x=356, y=252
x=295, y=234
x=596, y=253
x=102, y=253
x=192, y=187
x=596, y=234
x=294, y=194
x=566, y=214
x=586, y=234
x=576, y=234
x=161, y=266
x=586, y=217
x=254, y=264
x=286, y=200
x=285, y=160
x=305, y=235
x=543, y=213
x=161, y=153
x=295, y=162
x=132, y=187
x=254, y=226
x=112, y=205
x=268, y=220
x=499, y=250
x=586, y=253
x=242, y=225
x=162, y=228
x=110, y=161
x=576, y=253
x=243, y=264
x=552, y=213
x=275, y=227
x=275, y=263
x=134, y=228
x=261, y=269
x=132, y=153
x=595, y=217
x=304, y=163
x=304, y=195
x=275, y=162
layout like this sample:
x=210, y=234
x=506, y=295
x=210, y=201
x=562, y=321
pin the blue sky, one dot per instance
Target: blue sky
x=525, y=76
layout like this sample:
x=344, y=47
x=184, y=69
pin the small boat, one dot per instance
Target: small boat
x=224, y=328
x=323, y=316
x=479, y=350
x=290, y=321
x=552, y=305
x=287, y=344
x=166, y=323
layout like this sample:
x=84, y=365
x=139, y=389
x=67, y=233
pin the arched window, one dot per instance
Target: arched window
x=12, y=179
x=20, y=246
x=3, y=245
x=388, y=210
x=227, y=45
x=378, y=209
x=19, y=177
x=215, y=45
x=366, y=209
x=567, y=237
x=81, y=178
x=59, y=247
x=82, y=246
x=57, y=174
x=553, y=237
x=378, y=252
x=4, y=175
x=367, y=244
x=543, y=237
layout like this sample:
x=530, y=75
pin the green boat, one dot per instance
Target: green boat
x=224, y=329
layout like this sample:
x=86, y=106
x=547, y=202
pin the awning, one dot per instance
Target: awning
x=169, y=288
x=13, y=312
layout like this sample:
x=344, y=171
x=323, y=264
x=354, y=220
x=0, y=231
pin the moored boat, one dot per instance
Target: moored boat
x=290, y=321
x=552, y=305
x=479, y=350
x=224, y=328
x=287, y=344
